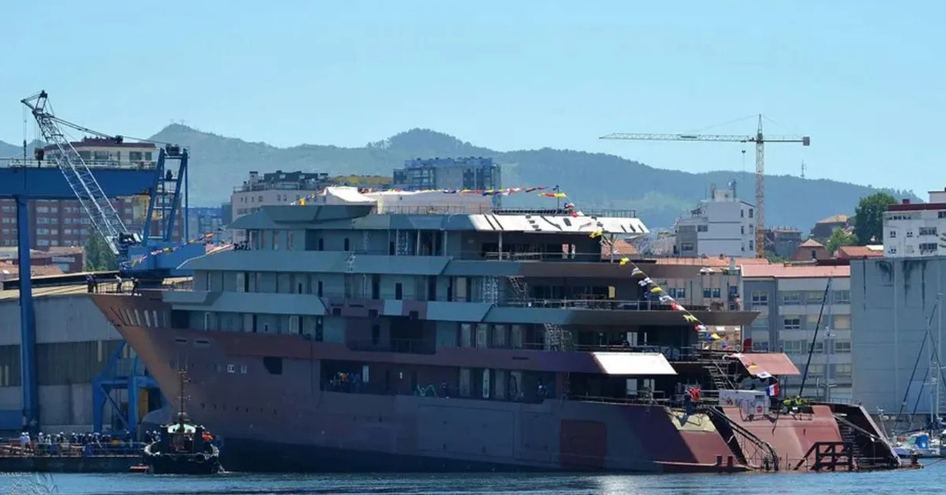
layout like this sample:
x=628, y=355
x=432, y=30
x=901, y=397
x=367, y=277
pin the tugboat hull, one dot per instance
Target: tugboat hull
x=197, y=463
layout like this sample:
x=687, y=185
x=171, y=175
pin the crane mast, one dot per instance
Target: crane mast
x=102, y=214
x=759, y=139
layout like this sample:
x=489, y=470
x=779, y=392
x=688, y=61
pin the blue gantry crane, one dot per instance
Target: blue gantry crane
x=150, y=255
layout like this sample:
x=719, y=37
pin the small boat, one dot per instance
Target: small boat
x=919, y=444
x=183, y=447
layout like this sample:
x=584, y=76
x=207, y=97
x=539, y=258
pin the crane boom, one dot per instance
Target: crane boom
x=759, y=139
x=102, y=214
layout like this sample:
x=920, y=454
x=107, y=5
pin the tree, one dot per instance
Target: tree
x=869, y=217
x=98, y=256
x=840, y=237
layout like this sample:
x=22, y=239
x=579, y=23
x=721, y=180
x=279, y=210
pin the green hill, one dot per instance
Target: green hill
x=219, y=163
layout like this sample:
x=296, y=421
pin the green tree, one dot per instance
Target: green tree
x=840, y=237
x=869, y=217
x=98, y=256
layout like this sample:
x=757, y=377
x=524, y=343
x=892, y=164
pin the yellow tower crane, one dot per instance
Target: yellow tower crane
x=759, y=139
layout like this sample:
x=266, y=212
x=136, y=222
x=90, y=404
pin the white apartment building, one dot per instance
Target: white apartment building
x=912, y=230
x=721, y=225
x=789, y=299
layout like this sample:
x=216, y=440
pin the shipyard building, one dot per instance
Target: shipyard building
x=77, y=351
x=897, y=307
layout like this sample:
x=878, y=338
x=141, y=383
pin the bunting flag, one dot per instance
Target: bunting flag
x=205, y=238
x=653, y=291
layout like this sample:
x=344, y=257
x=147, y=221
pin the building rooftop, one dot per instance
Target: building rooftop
x=854, y=252
x=795, y=271
x=811, y=243
x=839, y=218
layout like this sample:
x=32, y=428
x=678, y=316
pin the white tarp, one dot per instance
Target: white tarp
x=633, y=363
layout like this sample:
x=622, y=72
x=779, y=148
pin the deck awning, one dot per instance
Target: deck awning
x=633, y=363
x=767, y=363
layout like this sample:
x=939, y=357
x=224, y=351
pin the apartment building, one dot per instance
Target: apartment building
x=789, y=300
x=270, y=189
x=448, y=173
x=915, y=229
x=721, y=225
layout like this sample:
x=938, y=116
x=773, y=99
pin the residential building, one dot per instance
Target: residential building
x=111, y=152
x=721, y=225
x=448, y=173
x=713, y=283
x=789, y=301
x=811, y=250
x=912, y=230
x=782, y=241
x=201, y=220
x=895, y=301
x=826, y=226
x=63, y=222
x=275, y=188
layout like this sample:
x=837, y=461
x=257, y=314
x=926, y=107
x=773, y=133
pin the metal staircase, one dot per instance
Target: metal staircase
x=715, y=369
x=861, y=444
x=519, y=287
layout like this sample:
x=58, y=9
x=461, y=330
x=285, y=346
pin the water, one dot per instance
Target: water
x=929, y=480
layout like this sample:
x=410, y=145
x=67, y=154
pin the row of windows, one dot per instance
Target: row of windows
x=803, y=346
x=809, y=322
x=814, y=297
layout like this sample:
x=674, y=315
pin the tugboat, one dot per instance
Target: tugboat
x=183, y=447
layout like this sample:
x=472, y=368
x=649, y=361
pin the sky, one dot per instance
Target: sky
x=865, y=79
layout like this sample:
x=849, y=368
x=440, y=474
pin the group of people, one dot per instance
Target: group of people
x=92, y=285
x=61, y=443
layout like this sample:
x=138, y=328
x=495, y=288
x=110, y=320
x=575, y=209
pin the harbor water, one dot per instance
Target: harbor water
x=929, y=480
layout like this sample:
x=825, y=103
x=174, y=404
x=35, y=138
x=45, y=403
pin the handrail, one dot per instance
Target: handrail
x=849, y=423
x=748, y=435
x=815, y=447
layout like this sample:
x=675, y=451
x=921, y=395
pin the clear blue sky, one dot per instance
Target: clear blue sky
x=865, y=79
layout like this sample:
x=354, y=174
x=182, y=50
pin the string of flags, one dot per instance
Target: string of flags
x=652, y=290
x=205, y=238
x=481, y=192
